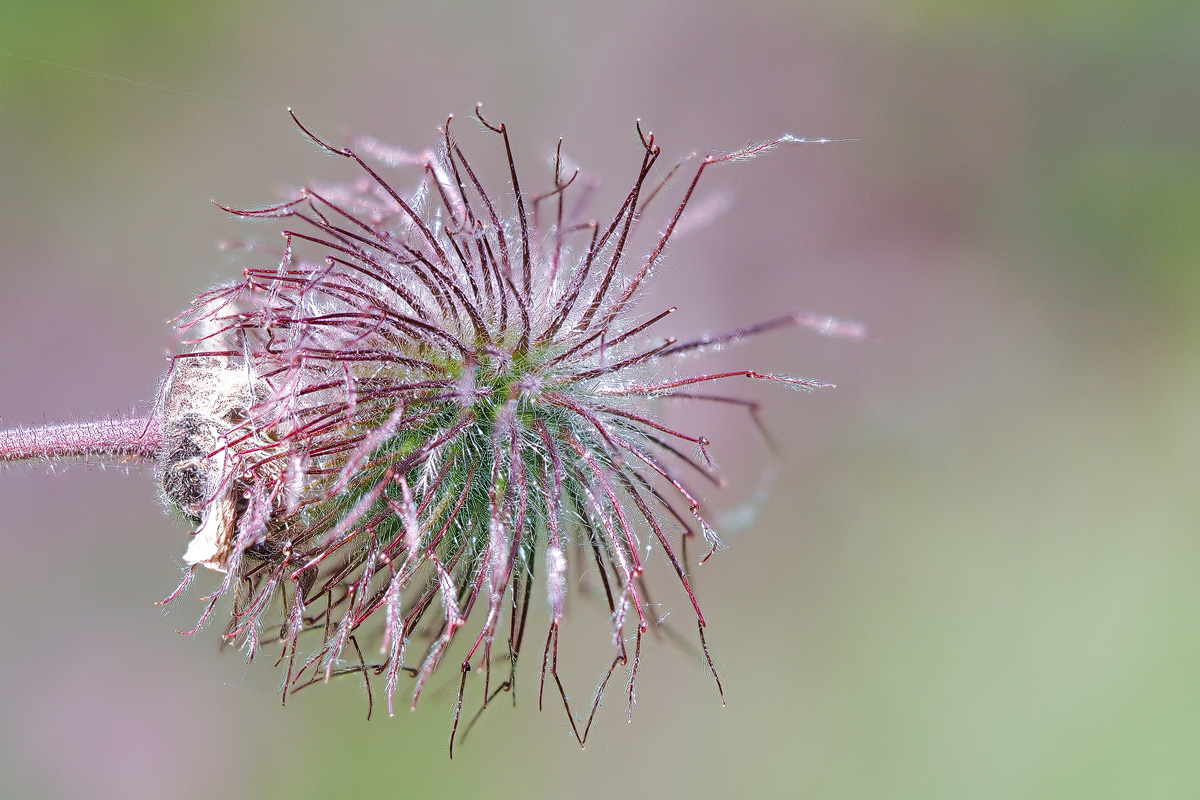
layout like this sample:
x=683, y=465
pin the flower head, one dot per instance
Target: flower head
x=427, y=405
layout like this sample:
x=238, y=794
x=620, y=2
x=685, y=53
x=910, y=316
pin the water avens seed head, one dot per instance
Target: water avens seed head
x=385, y=434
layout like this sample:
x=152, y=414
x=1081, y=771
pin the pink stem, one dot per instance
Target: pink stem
x=105, y=440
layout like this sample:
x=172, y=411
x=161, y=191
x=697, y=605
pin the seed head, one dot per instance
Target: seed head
x=425, y=405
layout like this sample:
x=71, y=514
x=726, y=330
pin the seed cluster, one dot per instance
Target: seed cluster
x=426, y=403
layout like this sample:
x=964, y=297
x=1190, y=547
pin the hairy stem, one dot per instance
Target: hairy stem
x=111, y=441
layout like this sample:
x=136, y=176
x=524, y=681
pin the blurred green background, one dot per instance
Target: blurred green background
x=976, y=572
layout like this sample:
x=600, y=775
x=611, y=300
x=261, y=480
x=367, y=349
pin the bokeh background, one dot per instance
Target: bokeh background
x=974, y=570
